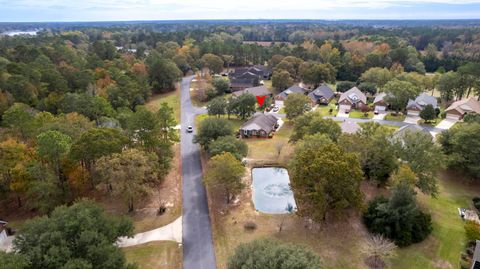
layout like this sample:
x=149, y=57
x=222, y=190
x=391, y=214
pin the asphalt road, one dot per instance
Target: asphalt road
x=198, y=252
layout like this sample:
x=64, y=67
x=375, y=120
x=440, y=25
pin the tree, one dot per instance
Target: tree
x=424, y=157
x=130, y=174
x=450, y=85
x=236, y=147
x=221, y=86
x=428, y=113
x=162, y=73
x=398, y=218
x=343, y=86
x=224, y=174
x=213, y=62
x=217, y=107
x=79, y=236
x=378, y=76
x=243, y=106
x=377, y=249
x=211, y=129
x=313, y=123
x=321, y=185
x=462, y=146
x=12, y=157
x=281, y=80
x=20, y=119
x=54, y=147
x=316, y=73
x=272, y=254
x=399, y=92
x=13, y=261
x=296, y=104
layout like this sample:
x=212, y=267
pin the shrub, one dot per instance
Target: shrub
x=472, y=230
x=250, y=226
x=476, y=202
x=343, y=86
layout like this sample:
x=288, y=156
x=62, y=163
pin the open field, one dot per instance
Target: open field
x=171, y=98
x=154, y=255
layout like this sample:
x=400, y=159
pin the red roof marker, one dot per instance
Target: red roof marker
x=260, y=100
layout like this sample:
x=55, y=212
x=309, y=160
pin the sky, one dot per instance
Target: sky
x=128, y=10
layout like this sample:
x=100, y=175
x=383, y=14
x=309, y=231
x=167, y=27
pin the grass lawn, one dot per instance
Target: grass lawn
x=392, y=117
x=171, y=98
x=198, y=90
x=430, y=123
x=360, y=115
x=324, y=110
x=236, y=122
x=153, y=255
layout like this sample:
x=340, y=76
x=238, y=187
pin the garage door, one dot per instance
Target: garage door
x=453, y=117
x=413, y=113
x=380, y=108
x=345, y=107
x=279, y=103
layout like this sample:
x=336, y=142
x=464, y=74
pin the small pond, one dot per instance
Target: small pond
x=271, y=190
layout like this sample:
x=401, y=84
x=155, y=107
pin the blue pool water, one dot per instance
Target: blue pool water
x=271, y=190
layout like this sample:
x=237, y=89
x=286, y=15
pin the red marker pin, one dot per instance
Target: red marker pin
x=260, y=100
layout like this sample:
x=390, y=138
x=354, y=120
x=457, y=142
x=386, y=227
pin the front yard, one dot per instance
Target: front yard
x=395, y=117
x=357, y=114
x=153, y=255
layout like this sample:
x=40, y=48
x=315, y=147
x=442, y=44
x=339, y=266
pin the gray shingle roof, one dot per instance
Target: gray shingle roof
x=422, y=101
x=350, y=127
x=323, y=91
x=293, y=89
x=256, y=91
x=354, y=95
x=264, y=122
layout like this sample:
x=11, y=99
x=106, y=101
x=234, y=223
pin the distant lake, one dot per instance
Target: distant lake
x=14, y=33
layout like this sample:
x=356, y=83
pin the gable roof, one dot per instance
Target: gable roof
x=256, y=91
x=350, y=127
x=422, y=101
x=354, y=95
x=264, y=122
x=410, y=128
x=243, y=82
x=257, y=70
x=292, y=89
x=323, y=91
x=470, y=105
x=379, y=97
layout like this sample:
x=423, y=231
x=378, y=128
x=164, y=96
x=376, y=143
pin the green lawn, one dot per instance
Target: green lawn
x=236, y=122
x=430, y=123
x=324, y=109
x=392, y=117
x=360, y=115
x=153, y=255
x=171, y=98
x=448, y=238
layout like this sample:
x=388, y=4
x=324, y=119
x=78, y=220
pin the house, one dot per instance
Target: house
x=414, y=107
x=379, y=103
x=256, y=91
x=352, y=99
x=350, y=127
x=240, y=84
x=294, y=89
x=410, y=128
x=476, y=256
x=460, y=108
x=260, y=71
x=322, y=95
x=260, y=125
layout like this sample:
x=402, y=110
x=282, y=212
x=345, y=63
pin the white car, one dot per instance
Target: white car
x=275, y=109
x=189, y=129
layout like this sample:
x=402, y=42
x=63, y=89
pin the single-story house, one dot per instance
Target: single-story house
x=261, y=72
x=414, y=107
x=239, y=84
x=460, y=108
x=350, y=127
x=410, y=128
x=260, y=125
x=379, y=103
x=352, y=99
x=256, y=91
x=476, y=256
x=294, y=89
x=322, y=95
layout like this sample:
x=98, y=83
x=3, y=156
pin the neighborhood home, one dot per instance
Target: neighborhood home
x=322, y=95
x=462, y=107
x=294, y=89
x=352, y=99
x=261, y=125
x=256, y=91
x=476, y=256
x=411, y=128
x=379, y=103
x=259, y=71
x=414, y=107
x=239, y=84
x=350, y=127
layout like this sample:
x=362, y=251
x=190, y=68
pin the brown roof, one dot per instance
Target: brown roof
x=353, y=95
x=470, y=105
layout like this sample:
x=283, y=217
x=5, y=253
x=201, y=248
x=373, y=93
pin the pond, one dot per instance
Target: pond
x=271, y=190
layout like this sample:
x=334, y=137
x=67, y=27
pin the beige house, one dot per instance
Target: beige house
x=460, y=108
x=352, y=99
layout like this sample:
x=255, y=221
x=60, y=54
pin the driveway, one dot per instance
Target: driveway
x=198, y=251
x=379, y=116
x=412, y=119
x=341, y=114
x=170, y=232
x=446, y=124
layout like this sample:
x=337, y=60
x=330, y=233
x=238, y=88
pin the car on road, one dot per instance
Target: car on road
x=189, y=129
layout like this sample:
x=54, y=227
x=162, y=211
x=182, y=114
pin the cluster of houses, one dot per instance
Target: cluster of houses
x=248, y=77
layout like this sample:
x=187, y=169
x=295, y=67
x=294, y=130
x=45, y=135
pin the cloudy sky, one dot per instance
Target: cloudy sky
x=118, y=10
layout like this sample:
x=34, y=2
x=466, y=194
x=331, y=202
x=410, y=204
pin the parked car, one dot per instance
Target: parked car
x=375, y=112
x=275, y=109
x=189, y=129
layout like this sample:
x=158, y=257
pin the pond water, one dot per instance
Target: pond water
x=271, y=190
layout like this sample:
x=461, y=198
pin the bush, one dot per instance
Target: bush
x=476, y=202
x=343, y=86
x=250, y=226
x=472, y=230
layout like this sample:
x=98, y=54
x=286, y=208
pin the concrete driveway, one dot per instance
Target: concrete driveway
x=380, y=116
x=341, y=114
x=412, y=119
x=446, y=124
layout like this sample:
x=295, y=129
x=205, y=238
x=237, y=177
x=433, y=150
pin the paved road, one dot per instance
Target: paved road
x=198, y=250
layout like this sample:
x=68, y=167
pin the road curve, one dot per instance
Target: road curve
x=198, y=251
